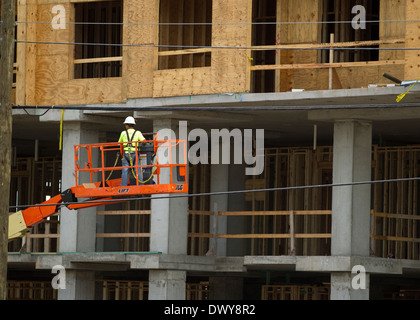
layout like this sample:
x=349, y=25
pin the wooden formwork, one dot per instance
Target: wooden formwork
x=30, y=290
x=395, y=223
x=198, y=291
x=139, y=290
x=33, y=181
x=395, y=211
x=135, y=225
x=199, y=215
x=124, y=290
x=135, y=218
x=295, y=292
x=290, y=167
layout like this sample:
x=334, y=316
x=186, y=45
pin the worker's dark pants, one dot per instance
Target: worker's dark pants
x=127, y=173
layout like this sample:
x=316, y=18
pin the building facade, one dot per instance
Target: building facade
x=310, y=75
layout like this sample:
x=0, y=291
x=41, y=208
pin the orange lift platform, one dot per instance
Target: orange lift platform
x=159, y=167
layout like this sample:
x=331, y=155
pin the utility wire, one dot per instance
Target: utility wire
x=325, y=47
x=177, y=195
x=106, y=107
x=218, y=23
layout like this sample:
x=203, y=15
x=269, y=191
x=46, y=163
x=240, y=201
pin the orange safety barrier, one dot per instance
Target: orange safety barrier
x=165, y=175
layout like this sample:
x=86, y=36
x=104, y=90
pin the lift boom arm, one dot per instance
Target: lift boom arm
x=21, y=221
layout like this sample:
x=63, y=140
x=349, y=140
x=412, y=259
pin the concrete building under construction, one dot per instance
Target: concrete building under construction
x=308, y=73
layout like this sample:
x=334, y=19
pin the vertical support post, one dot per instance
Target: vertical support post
x=6, y=80
x=169, y=221
x=36, y=150
x=292, y=233
x=215, y=226
x=350, y=204
x=330, y=75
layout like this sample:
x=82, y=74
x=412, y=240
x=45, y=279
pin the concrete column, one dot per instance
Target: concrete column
x=169, y=216
x=78, y=227
x=227, y=177
x=80, y=285
x=169, y=226
x=342, y=287
x=167, y=285
x=219, y=182
x=350, y=204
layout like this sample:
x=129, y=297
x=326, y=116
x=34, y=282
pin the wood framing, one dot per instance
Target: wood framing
x=295, y=292
x=205, y=62
x=139, y=290
x=277, y=223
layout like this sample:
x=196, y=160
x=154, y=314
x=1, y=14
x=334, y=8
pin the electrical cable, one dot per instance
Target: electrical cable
x=34, y=115
x=106, y=107
x=177, y=195
x=325, y=47
x=219, y=23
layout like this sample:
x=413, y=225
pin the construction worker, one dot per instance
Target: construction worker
x=130, y=149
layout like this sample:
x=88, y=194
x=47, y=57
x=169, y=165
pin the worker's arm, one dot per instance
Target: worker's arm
x=140, y=137
x=121, y=139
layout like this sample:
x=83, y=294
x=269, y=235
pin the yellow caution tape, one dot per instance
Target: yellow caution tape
x=61, y=130
x=402, y=95
x=249, y=59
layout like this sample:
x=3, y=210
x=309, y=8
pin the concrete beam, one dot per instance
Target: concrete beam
x=139, y=261
x=376, y=114
x=80, y=116
x=347, y=263
x=317, y=97
x=196, y=115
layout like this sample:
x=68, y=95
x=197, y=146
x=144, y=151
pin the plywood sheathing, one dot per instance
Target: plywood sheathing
x=306, y=11
x=139, y=62
x=229, y=70
x=412, y=40
x=54, y=83
x=45, y=71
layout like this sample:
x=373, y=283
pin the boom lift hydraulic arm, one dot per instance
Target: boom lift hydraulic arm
x=165, y=175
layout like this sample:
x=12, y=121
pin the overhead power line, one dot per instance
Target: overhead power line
x=177, y=195
x=107, y=107
x=260, y=48
x=220, y=23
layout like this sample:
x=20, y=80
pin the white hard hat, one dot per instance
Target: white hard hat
x=129, y=120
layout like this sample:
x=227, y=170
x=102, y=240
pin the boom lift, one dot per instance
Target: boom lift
x=162, y=176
